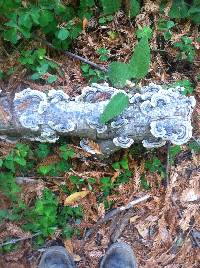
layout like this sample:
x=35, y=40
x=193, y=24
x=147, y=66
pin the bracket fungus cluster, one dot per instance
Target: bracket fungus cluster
x=154, y=115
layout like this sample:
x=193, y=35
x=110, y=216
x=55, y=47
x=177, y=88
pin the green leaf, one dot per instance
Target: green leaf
x=194, y=13
x=46, y=17
x=43, y=68
x=43, y=150
x=63, y=34
x=111, y=6
x=52, y=79
x=1, y=74
x=194, y=146
x=66, y=153
x=86, y=3
x=134, y=8
x=174, y=150
x=179, y=9
x=140, y=60
x=35, y=14
x=144, y=32
x=45, y=169
x=119, y=73
x=19, y=160
x=117, y=104
x=11, y=35
x=1, y=162
x=25, y=20
x=35, y=76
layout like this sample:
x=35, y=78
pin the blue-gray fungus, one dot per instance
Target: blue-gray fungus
x=154, y=115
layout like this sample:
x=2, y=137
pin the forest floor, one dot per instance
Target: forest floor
x=164, y=230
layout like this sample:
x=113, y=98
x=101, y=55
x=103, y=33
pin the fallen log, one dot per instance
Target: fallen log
x=154, y=115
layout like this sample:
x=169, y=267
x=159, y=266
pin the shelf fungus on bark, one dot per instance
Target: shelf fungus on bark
x=154, y=116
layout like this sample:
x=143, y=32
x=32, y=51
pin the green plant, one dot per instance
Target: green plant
x=123, y=163
x=155, y=165
x=47, y=216
x=186, y=84
x=103, y=54
x=105, y=19
x=120, y=72
x=194, y=146
x=91, y=74
x=110, y=7
x=182, y=9
x=36, y=61
x=173, y=151
x=116, y=106
x=187, y=50
x=144, y=183
x=165, y=26
x=17, y=158
x=106, y=185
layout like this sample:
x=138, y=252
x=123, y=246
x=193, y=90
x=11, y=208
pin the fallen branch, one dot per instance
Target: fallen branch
x=114, y=212
x=14, y=241
x=74, y=56
x=153, y=116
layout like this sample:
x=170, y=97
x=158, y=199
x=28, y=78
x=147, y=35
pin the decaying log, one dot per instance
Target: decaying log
x=155, y=115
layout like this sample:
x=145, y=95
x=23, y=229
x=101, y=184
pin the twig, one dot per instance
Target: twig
x=24, y=180
x=14, y=241
x=114, y=212
x=74, y=56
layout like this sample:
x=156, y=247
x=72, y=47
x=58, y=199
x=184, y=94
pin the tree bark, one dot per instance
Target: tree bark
x=154, y=116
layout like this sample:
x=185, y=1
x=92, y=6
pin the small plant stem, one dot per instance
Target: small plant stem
x=168, y=164
x=74, y=56
x=14, y=241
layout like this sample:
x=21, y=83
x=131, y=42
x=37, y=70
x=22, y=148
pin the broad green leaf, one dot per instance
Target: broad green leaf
x=35, y=14
x=111, y=6
x=25, y=20
x=140, y=60
x=20, y=160
x=134, y=8
x=117, y=104
x=11, y=35
x=43, y=150
x=43, y=68
x=52, y=79
x=1, y=162
x=119, y=73
x=46, y=17
x=86, y=3
x=194, y=13
x=45, y=169
x=26, y=32
x=63, y=34
x=179, y=9
x=35, y=76
x=144, y=32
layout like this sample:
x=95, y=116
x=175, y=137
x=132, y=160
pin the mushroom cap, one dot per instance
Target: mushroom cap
x=123, y=142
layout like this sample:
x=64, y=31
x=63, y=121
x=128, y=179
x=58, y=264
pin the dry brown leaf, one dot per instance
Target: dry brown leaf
x=71, y=199
x=85, y=24
x=69, y=246
x=101, y=210
x=116, y=175
x=94, y=146
x=134, y=218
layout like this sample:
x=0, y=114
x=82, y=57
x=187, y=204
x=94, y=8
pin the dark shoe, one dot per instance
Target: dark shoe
x=56, y=257
x=119, y=255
